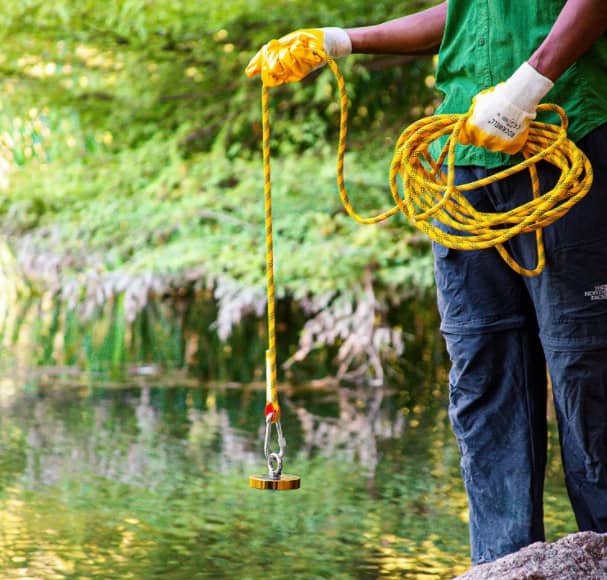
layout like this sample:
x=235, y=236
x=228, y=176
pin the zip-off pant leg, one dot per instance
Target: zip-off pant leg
x=571, y=302
x=497, y=399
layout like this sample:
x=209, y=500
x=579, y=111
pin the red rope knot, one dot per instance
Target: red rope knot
x=272, y=412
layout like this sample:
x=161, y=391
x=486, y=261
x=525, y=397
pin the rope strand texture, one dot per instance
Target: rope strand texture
x=272, y=405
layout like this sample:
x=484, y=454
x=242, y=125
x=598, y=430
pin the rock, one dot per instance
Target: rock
x=577, y=556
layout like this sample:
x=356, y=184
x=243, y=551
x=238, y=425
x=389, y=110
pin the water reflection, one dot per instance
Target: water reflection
x=353, y=434
x=151, y=482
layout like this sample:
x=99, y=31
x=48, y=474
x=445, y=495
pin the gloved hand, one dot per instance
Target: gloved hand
x=501, y=115
x=295, y=55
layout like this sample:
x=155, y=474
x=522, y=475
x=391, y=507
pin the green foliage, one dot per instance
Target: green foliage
x=135, y=69
x=129, y=151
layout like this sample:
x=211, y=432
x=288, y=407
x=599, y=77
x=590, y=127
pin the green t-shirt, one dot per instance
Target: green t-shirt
x=485, y=41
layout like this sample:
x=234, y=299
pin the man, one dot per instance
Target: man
x=503, y=329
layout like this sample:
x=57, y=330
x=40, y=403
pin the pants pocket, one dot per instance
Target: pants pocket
x=578, y=299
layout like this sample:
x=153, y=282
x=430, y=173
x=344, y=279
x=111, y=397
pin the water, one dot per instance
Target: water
x=148, y=479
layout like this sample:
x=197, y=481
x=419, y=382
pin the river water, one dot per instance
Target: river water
x=148, y=478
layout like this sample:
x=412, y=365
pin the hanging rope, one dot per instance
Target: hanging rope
x=272, y=408
x=432, y=201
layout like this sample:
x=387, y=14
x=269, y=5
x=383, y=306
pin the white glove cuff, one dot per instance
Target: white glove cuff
x=526, y=88
x=337, y=42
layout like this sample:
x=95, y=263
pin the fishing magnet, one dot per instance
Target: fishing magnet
x=281, y=483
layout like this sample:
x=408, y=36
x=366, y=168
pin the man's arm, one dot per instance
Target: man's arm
x=579, y=25
x=419, y=33
x=292, y=57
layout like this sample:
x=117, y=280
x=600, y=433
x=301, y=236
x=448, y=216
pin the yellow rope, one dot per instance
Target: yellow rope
x=271, y=373
x=430, y=196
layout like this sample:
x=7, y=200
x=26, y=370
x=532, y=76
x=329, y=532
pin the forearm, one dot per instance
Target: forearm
x=579, y=25
x=419, y=33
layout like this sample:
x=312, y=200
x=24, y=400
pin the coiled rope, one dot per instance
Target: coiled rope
x=430, y=197
x=432, y=201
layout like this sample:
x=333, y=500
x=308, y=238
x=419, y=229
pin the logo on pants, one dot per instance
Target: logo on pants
x=599, y=292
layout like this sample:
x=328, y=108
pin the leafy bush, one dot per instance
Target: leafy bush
x=129, y=154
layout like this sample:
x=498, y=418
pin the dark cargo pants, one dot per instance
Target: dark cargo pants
x=502, y=331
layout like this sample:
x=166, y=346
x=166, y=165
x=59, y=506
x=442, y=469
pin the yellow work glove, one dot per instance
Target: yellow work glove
x=501, y=115
x=294, y=56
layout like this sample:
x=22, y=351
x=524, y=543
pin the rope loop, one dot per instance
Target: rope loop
x=435, y=205
x=274, y=459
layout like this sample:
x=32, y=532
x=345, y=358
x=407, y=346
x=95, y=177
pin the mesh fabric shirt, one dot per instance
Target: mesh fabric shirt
x=485, y=41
